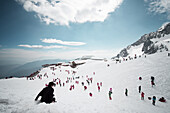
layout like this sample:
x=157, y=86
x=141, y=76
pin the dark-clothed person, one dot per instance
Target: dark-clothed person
x=46, y=94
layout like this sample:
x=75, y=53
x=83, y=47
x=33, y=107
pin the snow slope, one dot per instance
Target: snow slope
x=17, y=94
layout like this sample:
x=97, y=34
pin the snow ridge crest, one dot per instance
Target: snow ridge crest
x=149, y=43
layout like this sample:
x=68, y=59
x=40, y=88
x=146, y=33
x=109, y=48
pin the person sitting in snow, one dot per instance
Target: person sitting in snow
x=47, y=94
x=162, y=99
x=140, y=78
x=85, y=87
x=90, y=94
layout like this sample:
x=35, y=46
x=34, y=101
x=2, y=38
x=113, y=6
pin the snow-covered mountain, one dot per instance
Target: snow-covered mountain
x=17, y=94
x=149, y=43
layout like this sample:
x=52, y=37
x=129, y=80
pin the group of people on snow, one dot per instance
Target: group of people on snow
x=162, y=99
x=47, y=95
x=129, y=57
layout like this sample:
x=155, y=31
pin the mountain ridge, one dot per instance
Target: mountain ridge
x=150, y=43
x=28, y=68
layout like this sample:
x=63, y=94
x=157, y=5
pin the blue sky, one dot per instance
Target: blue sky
x=47, y=29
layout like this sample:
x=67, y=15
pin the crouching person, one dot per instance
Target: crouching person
x=46, y=94
x=162, y=99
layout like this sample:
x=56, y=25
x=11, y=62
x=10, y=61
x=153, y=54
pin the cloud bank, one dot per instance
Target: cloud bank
x=62, y=12
x=43, y=47
x=62, y=42
x=22, y=56
x=52, y=46
x=159, y=6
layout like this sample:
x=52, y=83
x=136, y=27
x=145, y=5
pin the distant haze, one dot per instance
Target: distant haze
x=26, y=69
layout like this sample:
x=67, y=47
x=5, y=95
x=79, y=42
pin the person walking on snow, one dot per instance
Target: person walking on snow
x=88, y=82
x=153, y=100
x=152, y=81
x=139, y=89
x=126, y=92
x=142, y=96
x=98, y=88
x=101, y=84
x=82, y=83
x=91, y=80
x=152, y=78
x=110, y=93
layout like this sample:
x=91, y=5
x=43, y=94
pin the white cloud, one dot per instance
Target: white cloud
x=63, y=12
x=159, y=6
x=43, y=47
x=62, y=42
x=23, y=56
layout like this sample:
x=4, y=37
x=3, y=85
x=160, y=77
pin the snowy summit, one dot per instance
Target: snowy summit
x=149, y=43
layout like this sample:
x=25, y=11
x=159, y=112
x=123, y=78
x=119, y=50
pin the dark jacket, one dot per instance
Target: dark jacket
x=154, y=98
x=152, y=78
x=46, y=95
x=110, y=92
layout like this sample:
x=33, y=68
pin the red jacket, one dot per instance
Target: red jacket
x=142, y=94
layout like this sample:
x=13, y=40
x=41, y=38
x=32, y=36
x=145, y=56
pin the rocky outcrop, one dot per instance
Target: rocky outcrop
x=123, y=53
